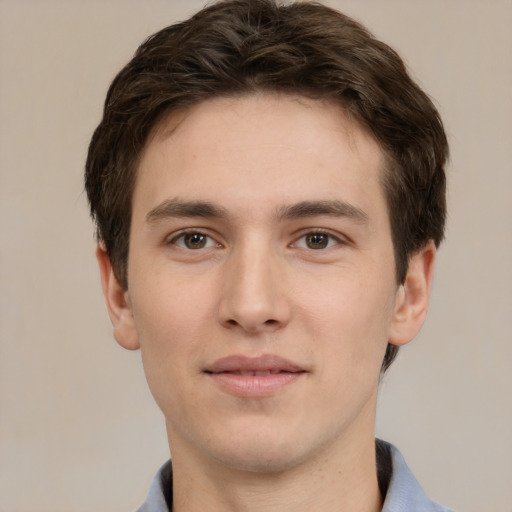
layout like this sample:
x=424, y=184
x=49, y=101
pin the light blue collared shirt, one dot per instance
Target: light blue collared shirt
x=404, y=493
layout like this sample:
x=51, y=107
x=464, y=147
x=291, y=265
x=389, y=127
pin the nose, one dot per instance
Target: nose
x=254, y=295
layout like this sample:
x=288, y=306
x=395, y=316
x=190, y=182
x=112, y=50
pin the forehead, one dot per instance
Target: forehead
x=255, y=145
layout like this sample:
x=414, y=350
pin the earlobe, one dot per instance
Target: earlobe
x=413, y=297
x=118, y=303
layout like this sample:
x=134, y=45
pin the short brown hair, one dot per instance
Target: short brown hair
x=236, y=47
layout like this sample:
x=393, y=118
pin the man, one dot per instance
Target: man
x=269, y=192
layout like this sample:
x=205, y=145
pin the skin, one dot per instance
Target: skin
x=261, y=277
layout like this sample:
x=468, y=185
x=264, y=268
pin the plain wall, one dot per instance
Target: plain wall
x=78, y=427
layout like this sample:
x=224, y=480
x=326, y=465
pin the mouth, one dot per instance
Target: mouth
x=254, y=373
x=254, y=377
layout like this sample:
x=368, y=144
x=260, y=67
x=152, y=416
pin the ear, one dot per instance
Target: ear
x=118, y=303
x=413, y=297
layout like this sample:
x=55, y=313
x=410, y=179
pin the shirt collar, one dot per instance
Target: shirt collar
x=403, y=494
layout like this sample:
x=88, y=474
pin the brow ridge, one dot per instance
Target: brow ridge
x=334, y=208
x=178, y=208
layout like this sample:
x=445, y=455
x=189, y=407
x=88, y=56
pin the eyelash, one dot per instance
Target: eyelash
x=190, y=232
x=332, y=240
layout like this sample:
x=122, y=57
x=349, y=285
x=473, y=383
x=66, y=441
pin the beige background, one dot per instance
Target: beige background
x=78, y=428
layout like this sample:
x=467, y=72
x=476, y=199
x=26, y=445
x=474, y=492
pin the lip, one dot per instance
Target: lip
x=254, y=377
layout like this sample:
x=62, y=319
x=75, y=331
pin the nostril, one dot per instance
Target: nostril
x=271, y=323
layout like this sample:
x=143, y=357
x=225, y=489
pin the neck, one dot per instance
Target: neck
x=340, y=478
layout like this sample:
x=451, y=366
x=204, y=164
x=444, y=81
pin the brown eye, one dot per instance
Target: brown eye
x=193, y=240
x=317, y=241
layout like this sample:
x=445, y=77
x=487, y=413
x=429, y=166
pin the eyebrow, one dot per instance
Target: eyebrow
x=334, y=208
x=178, y=208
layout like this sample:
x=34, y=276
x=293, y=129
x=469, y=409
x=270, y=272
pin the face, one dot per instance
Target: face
x=261, y=282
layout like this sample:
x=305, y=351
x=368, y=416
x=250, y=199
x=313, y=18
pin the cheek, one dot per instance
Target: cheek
x=170, y=323
x=170, y=304
x=350, y=320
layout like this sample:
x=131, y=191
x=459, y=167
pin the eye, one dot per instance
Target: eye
x=317, y=240
x=193, y=240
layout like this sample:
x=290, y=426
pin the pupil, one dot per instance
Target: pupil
x=195, y=241
x=317, y=241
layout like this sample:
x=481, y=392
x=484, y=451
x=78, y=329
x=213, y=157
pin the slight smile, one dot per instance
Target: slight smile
x=254, y=377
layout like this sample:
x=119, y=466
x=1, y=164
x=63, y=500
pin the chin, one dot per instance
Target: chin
x=261, y=460
x=260, y=453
